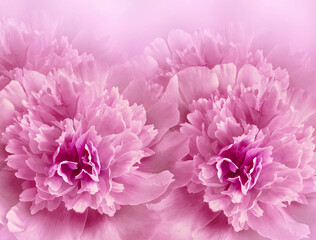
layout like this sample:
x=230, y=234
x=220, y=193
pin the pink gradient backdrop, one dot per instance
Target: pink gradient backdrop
x=132, y=24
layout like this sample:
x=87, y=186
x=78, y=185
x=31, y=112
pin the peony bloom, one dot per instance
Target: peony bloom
x=251, y=142
x=72, y=153
x=77, y=152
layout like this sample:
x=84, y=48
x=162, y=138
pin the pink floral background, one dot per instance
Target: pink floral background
x=157, y=120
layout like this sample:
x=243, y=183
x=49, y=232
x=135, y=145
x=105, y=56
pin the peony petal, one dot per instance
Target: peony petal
x=163, y=116
x=33, y=81
x=5, y=233
x=248, y=75
x=14, y=93
x=141, y=187
x=182, y=215
x=220, y=229
x=45, y=225
x=211, y=50
x=6, y=119
x=179, y=40
x=10, y=188
x=165, y=155
x=148, y=96
x=130, y=222
x=226, y=74
x=277, y=224
x=197, y=82
x=305, y=213
x=159, y=50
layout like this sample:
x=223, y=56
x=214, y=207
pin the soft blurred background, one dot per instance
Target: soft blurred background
x=134, y=23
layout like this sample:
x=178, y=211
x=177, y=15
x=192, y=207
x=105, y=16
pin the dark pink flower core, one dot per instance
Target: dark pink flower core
x=240, y=164
x=76, y=161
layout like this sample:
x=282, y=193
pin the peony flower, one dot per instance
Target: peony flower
x=251, y=143
x=73, y=150
x=77, y=152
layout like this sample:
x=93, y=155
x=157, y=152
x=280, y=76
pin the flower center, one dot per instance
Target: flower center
x=76, y=160
x=239, y=164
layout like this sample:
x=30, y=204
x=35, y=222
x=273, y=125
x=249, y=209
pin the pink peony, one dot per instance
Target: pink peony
x=251, y=142
x=73, y=155
x=77, y=151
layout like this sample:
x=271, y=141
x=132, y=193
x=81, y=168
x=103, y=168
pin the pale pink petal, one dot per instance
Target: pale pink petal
x=14, y=93
x=44, y=225
x=219, y=229
x=277, y=224
x=141, y=187
x=196, y=82
x=226, y=74
x=305, y=213
x=182, y=215
x=9, y=195
x=160, y=51
x=7, y=107
x=166, y=158
x=179, y=40
x=5, y=233
x=163, y=116
x=135, y=222
x=248, y=75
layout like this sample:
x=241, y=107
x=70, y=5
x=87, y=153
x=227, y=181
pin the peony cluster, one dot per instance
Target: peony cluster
x=203, y=136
